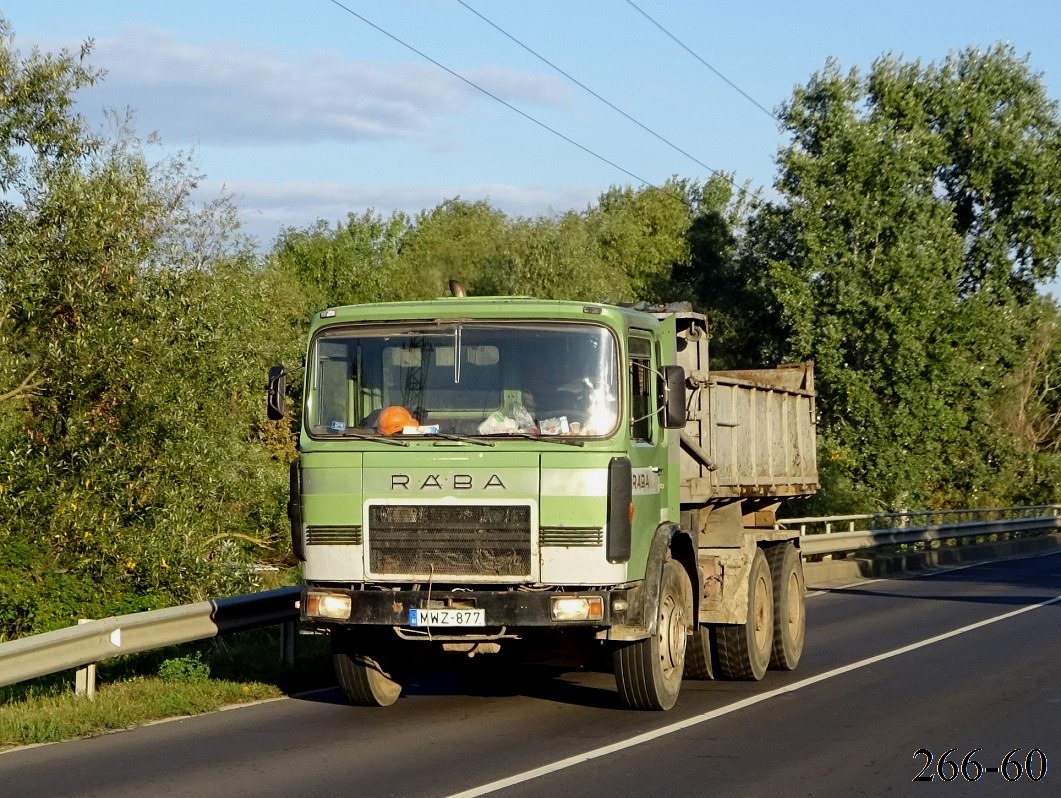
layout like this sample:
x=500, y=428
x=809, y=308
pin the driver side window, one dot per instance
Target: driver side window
x=641, y=393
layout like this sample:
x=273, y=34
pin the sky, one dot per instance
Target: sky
x=303, y=111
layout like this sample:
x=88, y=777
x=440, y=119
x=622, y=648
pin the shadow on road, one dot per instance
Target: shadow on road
x=584, y=688
x=1038, y=578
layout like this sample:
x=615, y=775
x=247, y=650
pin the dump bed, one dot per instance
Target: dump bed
x=750, y=433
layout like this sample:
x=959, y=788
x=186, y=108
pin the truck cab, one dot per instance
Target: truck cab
x=480, y=474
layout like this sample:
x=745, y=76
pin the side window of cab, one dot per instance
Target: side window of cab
x=641, y=389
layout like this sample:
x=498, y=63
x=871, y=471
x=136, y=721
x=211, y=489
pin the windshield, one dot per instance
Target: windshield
x=470, y=379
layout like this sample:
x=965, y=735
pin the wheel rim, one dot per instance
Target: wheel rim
x=763, y=627
x=672, y=637
x=793, y=606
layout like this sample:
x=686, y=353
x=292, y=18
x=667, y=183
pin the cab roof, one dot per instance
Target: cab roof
x=489, y=308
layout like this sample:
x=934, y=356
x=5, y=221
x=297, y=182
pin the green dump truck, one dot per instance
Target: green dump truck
x=510, y=475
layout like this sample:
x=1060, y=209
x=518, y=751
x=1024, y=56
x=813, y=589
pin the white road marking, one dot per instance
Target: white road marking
x=825, y=591
x=578, y=759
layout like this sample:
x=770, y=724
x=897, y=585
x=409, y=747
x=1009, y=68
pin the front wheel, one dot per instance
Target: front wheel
x=648, y=672
x=365, y=669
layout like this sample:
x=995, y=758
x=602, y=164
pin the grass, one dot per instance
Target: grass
x=50, y=718
x=182, y=680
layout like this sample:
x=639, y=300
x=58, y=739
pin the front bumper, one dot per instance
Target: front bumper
x=503, y=608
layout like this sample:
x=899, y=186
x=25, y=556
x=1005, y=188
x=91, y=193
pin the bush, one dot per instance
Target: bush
x=189, y=669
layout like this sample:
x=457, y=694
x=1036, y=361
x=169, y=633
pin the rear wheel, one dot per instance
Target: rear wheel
x=364, y=666
x=698, y=654
x=790, y=617
x=648, y=672
x=744, y=649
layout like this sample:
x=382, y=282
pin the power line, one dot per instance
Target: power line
x=507, y=104
x=681, y=44
x=583, y=86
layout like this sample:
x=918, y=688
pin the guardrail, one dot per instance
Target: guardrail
x=844, y=533
x=92, y=641
x=89, y=642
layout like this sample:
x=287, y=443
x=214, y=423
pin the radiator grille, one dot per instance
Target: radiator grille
x=571, y=536
x=333, y=536
x=450, y=540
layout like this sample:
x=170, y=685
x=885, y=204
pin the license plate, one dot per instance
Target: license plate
x=447, y=617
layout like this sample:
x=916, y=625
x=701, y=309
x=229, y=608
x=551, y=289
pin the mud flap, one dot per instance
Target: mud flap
x=642, y=619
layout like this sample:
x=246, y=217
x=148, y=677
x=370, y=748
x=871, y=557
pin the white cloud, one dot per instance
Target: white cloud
x=513, y=85
x=237, y=94
x=268, y=207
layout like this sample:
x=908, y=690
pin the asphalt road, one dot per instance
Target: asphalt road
x=966, y=659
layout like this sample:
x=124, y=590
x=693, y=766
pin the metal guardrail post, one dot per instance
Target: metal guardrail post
x=85, y=678
x=288, y=635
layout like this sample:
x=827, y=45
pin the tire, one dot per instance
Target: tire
x=744, y=650
x=361, y=668
x=648, y=672
x=790, y=615
x=698, y=655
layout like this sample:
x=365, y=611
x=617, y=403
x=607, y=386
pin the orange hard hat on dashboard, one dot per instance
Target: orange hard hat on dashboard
x=395, y=418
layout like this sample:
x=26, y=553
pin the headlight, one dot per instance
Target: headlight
x=328, y=605
x=577, y=608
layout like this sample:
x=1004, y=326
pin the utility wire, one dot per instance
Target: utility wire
x=583, y=86
x=508, y=105
x=681, y=44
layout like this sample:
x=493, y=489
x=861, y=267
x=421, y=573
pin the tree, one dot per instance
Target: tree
x=1027, y=407
x=728, y=274
x=354, y=263
x=920, y=208
x=547, y=257
x=134, y=333
x=456, y=240
x=999, y=174
x=642, y=234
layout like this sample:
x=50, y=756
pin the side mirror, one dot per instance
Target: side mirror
x=673, y=397
x=276, y=402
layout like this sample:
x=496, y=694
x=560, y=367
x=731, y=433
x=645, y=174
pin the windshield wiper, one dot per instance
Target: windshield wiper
x=530, y=436
x=462, y=438
x=375, y=438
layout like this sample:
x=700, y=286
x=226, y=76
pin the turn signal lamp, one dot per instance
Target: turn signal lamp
x=328, y=605
x=578, y=608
